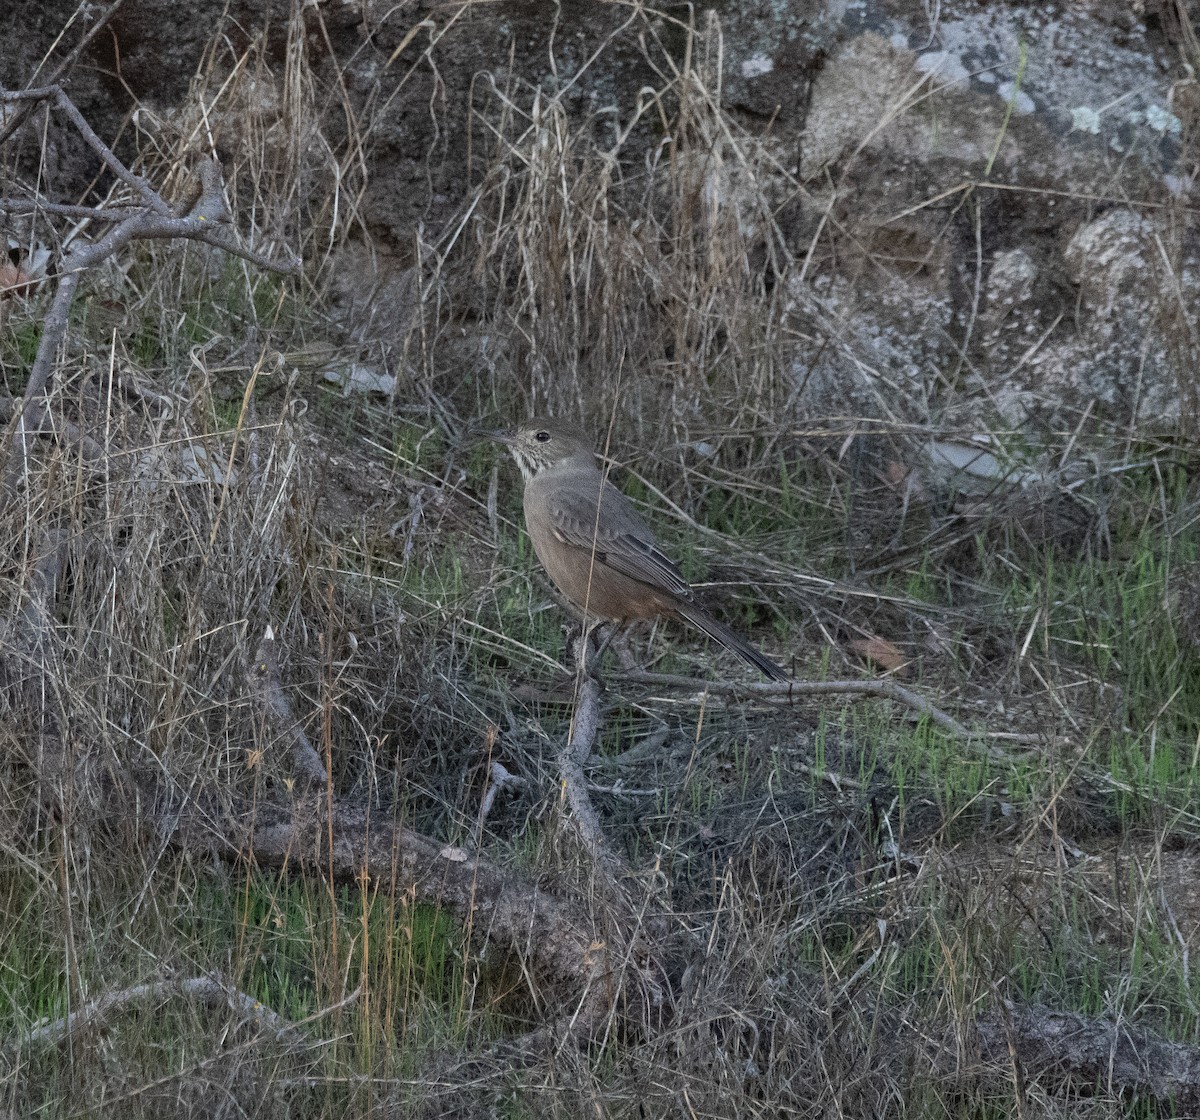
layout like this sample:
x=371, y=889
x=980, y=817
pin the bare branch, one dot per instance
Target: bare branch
x=38, y=93
x=575, y=749
x=368, y=843
x=201, y=223
x=212, y=990
x=581, y=738
x=148, y=194
x=63, y=210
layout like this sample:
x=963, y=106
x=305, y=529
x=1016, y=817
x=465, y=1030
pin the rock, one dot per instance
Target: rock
x=358, y=378
x=1112, y=260
x=1010, y=282
x=1136, y=276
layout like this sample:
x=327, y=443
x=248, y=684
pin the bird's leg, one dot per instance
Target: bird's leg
x=597, y=634
x=580, y=647
x=577, y=645
x=612, y=631
x=629, y=661
x=572, y=645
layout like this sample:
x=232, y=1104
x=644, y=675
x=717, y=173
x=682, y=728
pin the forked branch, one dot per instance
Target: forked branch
x=150, y=219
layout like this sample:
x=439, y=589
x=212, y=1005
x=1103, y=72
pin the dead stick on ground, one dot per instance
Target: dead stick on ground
x=885, y=689
x=212, y=990
x=263, y=678
x=557, y=938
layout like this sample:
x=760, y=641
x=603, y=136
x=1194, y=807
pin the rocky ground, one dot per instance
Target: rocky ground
x=1003, y=191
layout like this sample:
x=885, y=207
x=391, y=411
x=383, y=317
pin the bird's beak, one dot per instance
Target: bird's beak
x=478, y=432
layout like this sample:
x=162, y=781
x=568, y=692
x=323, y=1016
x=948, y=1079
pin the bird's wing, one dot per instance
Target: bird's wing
x=622, y=542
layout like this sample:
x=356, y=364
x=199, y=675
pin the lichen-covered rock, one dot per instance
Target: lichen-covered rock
x=1115, y=264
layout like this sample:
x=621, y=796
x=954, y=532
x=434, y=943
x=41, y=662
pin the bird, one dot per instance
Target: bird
x=595, y=546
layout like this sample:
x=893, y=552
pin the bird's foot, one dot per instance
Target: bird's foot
x=584, y=652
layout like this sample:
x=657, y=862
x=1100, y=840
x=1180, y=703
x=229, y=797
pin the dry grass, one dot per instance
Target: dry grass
x=839, y=893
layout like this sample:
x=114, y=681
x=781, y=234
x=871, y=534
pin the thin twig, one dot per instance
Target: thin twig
x=201, y=223
x=117, y=213
x=37, y=93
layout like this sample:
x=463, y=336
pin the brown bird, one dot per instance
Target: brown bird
x=595, y=547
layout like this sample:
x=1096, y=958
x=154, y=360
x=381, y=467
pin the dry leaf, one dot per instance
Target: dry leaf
x=895, y=474
x=882, y=652
x=14, y=281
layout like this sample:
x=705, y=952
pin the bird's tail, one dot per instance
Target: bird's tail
x=721, y=633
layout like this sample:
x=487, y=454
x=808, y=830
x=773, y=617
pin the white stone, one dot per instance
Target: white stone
x=1085, y=119
x=757, y=65
x=943, y=65
x=1022, y=103
x=1163, y=120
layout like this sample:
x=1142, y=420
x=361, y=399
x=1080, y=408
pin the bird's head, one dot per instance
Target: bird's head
x=539, y=444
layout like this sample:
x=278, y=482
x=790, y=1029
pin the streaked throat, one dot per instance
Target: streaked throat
x=527, y=466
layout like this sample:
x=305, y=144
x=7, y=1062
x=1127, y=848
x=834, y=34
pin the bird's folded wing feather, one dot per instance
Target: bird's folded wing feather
x=623, y=542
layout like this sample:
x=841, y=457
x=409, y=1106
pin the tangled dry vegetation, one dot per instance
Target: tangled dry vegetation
x=227, y=581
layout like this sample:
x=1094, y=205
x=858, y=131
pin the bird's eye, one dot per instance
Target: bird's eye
x=541, y=437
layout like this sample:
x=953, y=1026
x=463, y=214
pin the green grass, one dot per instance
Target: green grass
x=291, y=944
x=1110, y=620
x=964, y=941
x=423, y=447
x=18, y=348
